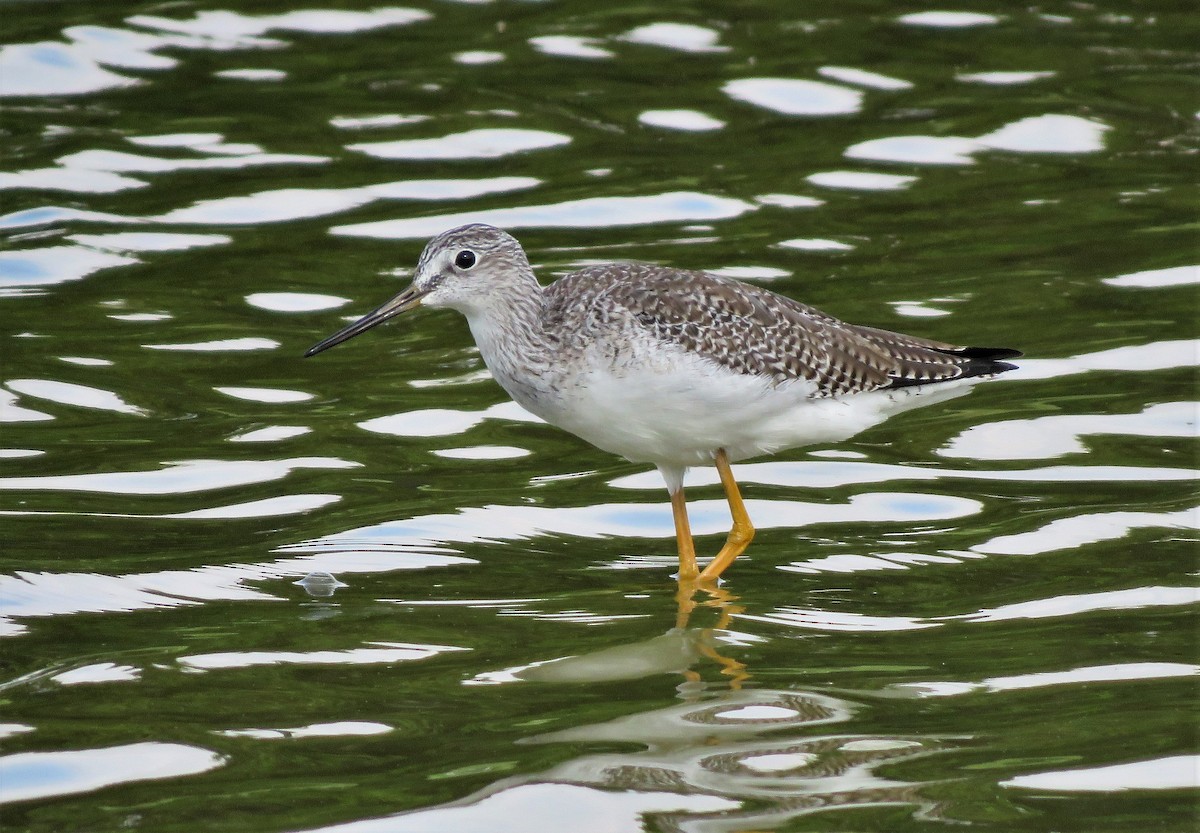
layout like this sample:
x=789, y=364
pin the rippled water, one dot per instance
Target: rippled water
x=244, y=591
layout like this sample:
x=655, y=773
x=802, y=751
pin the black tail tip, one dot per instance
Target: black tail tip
x=989, y=353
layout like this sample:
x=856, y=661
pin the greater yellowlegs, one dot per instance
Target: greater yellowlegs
x=675, y=367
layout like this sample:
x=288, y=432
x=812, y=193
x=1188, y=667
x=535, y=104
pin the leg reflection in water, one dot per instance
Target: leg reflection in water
x=706, y=638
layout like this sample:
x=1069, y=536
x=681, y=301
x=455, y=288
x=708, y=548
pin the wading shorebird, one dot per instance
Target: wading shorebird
x=675, y=367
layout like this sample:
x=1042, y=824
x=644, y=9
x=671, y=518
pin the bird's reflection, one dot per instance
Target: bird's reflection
x=720, y=758
x=734, y=761
x=681, y=650
x=706, y=639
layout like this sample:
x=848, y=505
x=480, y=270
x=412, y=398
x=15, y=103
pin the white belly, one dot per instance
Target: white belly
x=675, y=409
x=682, y=417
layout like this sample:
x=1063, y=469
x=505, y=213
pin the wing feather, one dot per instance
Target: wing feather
x=757, y=332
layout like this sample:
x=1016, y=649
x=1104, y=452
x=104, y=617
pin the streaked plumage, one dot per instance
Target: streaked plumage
x=676, y=367
x=750, y=330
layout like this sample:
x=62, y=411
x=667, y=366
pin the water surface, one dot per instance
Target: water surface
x=244, y=591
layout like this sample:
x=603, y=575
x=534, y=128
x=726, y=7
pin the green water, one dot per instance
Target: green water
x=977, y=613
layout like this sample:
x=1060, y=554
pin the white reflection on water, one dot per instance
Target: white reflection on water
x=684, y=37
x=750, y=273
x=177, y=478
x=443, y=422
x=99, y=171
x=122, y=47
x=541, y=808
x=383, y=653
x=1173, y=276
x=49, y=68
x=1041, y=438
x=830, y=620
x=101, y=672
x=827, y=475
x=521, y=522
x=343, y=728
x=145, y=241
x=795, y=96
x=851, y=563
x=271, y=433
x=478, y=57
x=1048, y=134
x=371, y=122
x=1174, y=773
x=788, y=201
x=1133, y=598
x=295, y=301
x=483, y=452
x=1157, y=355
x=593, y=212
x=1076, y=676
x=54, y=68
x=917, y=309
x=229, y=28
x=72, y=180
x=483, y=143
x=863, y=78
x=1037, y=134
x=24, y=269
x=1003, y=78
x=251, y=74
x=263, y=508
x=141, y=316
x=27, y=594
x=219, y=345
x=575, y=616
x=30, y=775
x=692, y=121
x=52, y=214
x=1080, y=530
x=948, y=20
x=301, y=203
x=861, y=180
x=10, y=411
x=80, y=396
x=570, y=46
x=116, y=161
x=917, y=150
x=780, y=762
x=214, y=142
x=86, y=361
x=276, y=395
x=815, y=244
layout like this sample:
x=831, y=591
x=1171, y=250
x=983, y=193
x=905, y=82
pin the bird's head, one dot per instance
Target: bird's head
x=467, y=268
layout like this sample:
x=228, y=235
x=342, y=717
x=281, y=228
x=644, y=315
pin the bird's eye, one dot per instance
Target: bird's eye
x=465, y=259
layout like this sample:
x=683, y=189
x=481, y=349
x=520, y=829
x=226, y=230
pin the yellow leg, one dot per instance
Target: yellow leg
x=742, y=532
x=685, y=602
x=688, y=571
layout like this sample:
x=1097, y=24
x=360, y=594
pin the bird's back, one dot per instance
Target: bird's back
x=753, y=331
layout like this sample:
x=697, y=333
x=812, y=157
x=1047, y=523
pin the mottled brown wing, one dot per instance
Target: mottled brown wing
x=754, y=331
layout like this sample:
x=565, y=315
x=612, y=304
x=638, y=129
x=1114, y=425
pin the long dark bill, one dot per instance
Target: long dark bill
x=406, y=300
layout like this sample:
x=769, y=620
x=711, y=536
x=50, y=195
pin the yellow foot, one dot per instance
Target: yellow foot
x=742, y=532
x=739, y=538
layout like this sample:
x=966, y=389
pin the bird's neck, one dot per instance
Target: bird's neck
x=511, y=336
